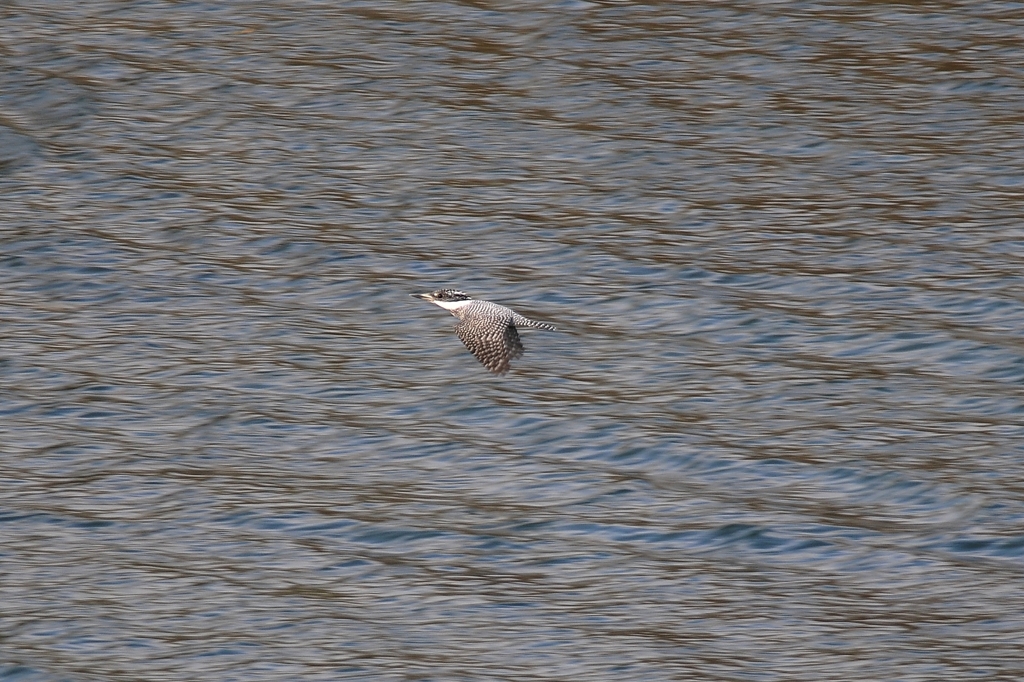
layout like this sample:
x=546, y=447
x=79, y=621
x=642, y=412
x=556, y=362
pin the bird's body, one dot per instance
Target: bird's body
x=487, y=329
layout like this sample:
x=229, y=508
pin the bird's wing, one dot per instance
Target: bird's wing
x=494, y=347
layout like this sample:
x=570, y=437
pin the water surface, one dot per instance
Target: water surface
x=779, y=436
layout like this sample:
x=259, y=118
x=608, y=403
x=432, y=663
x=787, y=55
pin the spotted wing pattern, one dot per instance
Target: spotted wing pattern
x=494, y=344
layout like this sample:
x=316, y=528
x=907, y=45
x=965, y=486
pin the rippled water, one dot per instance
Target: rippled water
x=779, y=437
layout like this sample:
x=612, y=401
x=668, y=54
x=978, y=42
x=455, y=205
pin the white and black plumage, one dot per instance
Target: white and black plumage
x=488, y=329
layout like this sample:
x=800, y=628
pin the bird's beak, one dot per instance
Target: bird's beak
x=425, y=297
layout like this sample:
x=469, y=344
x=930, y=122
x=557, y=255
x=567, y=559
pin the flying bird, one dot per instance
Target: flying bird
x=487, y=329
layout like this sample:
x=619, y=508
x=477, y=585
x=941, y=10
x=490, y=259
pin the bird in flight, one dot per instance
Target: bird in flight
x=487, y=329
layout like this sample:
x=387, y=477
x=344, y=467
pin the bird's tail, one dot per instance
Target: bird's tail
x=521, y=321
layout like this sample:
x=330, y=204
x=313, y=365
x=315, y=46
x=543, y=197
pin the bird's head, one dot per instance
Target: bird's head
x=449, y=299
x=444, y=296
